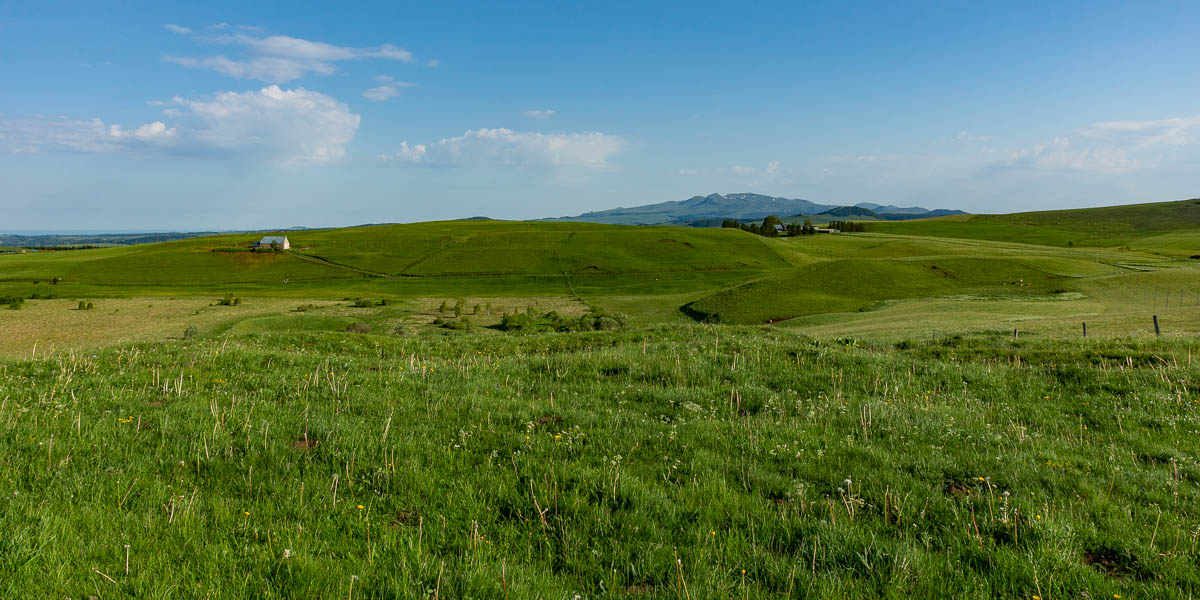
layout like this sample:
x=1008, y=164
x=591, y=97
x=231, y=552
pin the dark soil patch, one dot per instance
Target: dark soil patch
x=953, y=488
x=1111, y=562
x=547, y=419
x=405, y=519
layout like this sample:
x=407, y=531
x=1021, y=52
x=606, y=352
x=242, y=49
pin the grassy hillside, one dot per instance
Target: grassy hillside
x=639, y=464
x=1111, y=226
x=648, y=272
x=451, y=257
x=856, y=284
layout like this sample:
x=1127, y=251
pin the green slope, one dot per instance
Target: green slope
x=854, y=284
x=1134, y=225
x=475, y=257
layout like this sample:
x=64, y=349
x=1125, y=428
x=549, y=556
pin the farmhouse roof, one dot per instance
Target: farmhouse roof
x=272, y=239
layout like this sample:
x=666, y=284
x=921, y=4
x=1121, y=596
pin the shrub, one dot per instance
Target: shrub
x=83, y=305
x=595, y=320
x=90, y=306
x=385, y=302
x=456, y=324
x=444, y=307
x=229, y=300
x=362, y=303
x=358, y=328
x=13, y=302
x=475, y=310
x=191, y=332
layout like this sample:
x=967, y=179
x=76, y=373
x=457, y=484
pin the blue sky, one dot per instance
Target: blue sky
x=213, y=115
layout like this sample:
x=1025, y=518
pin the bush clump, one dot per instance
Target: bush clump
x=229, y=300
x=597, y=319
x=362, y=303
x=358, y=328
x=461, y=324
x=13, y=302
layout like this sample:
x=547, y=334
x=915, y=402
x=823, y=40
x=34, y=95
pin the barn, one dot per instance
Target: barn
x=270, y=240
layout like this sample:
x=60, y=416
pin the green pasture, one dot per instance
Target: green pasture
x=660, y=462
x=665, y=274
x=1152, y=226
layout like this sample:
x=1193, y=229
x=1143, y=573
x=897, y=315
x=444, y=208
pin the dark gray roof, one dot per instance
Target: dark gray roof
x=272, y=239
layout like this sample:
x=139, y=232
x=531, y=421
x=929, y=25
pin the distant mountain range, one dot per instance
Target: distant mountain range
x=714, y=208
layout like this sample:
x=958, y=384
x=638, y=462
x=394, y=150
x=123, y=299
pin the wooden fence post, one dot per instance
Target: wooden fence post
x=1156, y=331
x=1085, y=329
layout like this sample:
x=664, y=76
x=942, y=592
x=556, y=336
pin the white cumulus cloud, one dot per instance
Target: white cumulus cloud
x=177, y=29
x=500, y=147
x=540, y=114
x=283, y=126
x=291, y=126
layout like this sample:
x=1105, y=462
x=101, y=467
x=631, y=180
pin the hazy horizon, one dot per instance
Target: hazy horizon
x=224, y=116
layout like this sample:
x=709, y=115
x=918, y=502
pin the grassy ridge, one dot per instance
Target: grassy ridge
x=853, y=284
x=1108, y=226
x=459, y=257
x=734, y=462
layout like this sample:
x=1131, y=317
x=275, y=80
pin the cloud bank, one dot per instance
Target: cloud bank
x=505, y=147
x=281, y=126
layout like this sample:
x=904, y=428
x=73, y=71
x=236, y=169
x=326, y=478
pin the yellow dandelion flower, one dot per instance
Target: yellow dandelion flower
x=360, y=507
x=247, y=513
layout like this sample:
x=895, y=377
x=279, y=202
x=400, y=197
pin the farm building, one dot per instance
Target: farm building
x=826, y=230
x=269, y=240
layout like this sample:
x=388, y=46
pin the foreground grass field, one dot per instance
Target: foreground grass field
x=661, y=462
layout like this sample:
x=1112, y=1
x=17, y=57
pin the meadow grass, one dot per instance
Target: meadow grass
x=653, y=462
x=1152, y=226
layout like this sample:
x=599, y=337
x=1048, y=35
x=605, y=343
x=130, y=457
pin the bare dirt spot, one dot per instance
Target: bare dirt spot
x=405, y=519
x=547, y=419
x=1111, y=562
x=305, y=444
x=953, y=488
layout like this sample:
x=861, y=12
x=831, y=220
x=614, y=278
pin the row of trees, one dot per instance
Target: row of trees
x=770, y=226
x=848, y=226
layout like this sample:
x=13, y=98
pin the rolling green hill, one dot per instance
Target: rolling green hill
x=651, y=272
x=1132, y=225
x=453, y=257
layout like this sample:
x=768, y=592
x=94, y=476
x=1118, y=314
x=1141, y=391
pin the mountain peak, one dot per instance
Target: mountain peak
x=742, y=206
